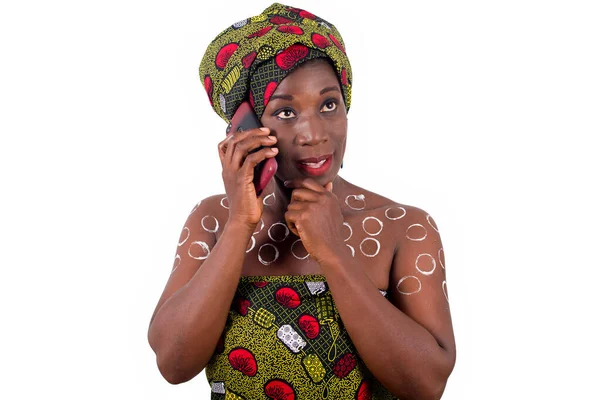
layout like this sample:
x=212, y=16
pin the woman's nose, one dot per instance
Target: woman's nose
x=311, y=132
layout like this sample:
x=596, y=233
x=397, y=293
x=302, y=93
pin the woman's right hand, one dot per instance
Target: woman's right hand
x=238, y=172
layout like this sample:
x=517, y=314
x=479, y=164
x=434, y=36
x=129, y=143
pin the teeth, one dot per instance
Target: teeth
x=315, y=165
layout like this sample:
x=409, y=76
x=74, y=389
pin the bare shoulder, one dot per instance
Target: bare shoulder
x=372, y=201
x=211, y=213
x=403, y=217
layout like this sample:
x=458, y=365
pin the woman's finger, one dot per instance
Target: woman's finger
x=303, y=194
x=308, y=183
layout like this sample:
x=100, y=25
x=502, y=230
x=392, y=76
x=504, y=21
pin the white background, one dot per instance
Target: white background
x=108, y=142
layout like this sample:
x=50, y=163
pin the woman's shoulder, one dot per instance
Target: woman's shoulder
x=211, y=210
x=372, y=201
x=362, y=204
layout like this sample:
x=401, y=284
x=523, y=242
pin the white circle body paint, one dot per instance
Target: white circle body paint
x=440, y=251
x=351, y=248
x=294, y=253
x=349, y=227
x=416, y=238
x=395, y=218
x=360, y=197
x=380, y=226
x=223, y=205
x=445, y=290
x=432, y=261
x=204, y=247
x=216, y=224
x=272, y=202
x=287, y=232
x=265, y=262
x=253, y=240
x=405, y=278
x=178, y=261
x=432, y=223
x=196, y=207
x=186, y=229
x=376, y=252
x=262, y=225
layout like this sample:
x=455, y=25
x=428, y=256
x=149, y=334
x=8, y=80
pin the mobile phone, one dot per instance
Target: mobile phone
x=245, y=118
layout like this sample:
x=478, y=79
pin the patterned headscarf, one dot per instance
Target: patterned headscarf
x=251, y=57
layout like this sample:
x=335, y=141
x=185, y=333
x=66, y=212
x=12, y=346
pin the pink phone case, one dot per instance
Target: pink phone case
x=245, y=118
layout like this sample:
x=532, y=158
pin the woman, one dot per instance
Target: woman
x=317, y=288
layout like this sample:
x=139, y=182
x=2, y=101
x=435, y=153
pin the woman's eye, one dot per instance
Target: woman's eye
x=330, y=106
x=286, y=114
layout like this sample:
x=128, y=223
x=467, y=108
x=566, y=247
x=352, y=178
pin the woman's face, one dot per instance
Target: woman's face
x=308, y=116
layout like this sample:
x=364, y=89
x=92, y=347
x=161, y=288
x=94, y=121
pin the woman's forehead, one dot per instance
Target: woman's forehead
x=308, y=77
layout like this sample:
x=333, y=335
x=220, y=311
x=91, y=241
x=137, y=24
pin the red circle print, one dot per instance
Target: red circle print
x=243, y=360
x=260, y=284
x=241, y=305
x=344, y=77
x=364, y=391
x=208, y=85
x=248, y=59
x=306, y=14
x=225, y=54
x=269, y=90
x=296, y=30
x=338, y=44
x=259, y=33
x=320, y=41
x=309, y=325
x=287, y=297
x=278, y=389
x=278, y=20
x=290, y=56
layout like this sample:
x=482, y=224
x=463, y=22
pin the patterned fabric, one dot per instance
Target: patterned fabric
x=284, y=339
x=251, y=57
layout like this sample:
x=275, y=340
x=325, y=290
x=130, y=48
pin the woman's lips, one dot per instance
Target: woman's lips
x=316, y=171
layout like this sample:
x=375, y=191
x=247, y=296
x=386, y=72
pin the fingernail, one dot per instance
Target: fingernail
x=264, y=129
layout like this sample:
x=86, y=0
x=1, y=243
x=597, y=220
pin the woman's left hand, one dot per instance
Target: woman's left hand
x=315, y=216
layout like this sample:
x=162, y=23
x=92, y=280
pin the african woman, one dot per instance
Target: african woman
x=316, y=288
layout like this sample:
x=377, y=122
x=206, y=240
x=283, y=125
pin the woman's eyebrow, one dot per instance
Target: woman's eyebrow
x=290, y=97
x=329, y=89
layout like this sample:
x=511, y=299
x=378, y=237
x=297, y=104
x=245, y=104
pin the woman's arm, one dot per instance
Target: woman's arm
x=407, y=342
x=191, y=314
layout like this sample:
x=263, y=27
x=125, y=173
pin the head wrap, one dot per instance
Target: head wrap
x=251, y=57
